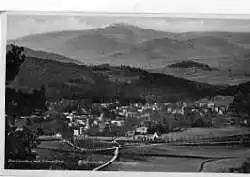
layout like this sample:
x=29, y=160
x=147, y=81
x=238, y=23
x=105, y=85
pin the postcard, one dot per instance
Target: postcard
x=124, y=92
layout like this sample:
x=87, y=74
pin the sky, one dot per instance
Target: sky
x=19, y=25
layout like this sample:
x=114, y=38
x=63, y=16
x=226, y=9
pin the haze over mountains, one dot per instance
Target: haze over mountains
x=150, y=49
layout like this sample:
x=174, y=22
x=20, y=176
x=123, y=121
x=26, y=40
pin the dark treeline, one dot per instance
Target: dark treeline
x=187, y=64
x=241, y=102
x=19, y=140
x=107, y=67
x=20, y=103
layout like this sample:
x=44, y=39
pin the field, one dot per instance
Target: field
x=196, y=133
x=94, y=143
x=171, y=158
x=167, y=158
x=160, y=164
x=58, y=151
x=186, y=151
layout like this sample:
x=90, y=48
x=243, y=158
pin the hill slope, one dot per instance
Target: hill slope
x=200, y=72
x=48, y=55
x=100, y=83
x=192, y=64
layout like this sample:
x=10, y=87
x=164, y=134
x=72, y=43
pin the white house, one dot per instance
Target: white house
x=58, y=135
x=142, y=130
x=76, y=132
x=130, y=133
x=118, y=123
x=154, y=136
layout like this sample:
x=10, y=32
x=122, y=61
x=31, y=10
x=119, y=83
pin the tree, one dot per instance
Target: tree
x=241, y=102
x=14, y=58
x=157, y=127
x=40, y=98
x=18, y=142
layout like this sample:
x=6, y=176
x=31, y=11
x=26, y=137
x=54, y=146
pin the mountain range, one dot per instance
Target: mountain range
x=147, y=48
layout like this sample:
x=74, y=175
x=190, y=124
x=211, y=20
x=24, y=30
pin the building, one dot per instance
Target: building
x=58, y=135
x=130, y=133
x=153, y=137
x=118, y=123
x=142, y=130
x=145, y=115
x=76, y=132
x=81, y=130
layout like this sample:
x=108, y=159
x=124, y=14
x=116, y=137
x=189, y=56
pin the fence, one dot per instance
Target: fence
x=200, y=140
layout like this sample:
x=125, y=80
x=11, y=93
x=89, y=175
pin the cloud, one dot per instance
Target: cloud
x=20, y=25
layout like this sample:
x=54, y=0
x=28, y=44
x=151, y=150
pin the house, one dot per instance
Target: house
x=118, y=123
x=220, y=112
x=101, y=126
x=153, y=137
x=81, y=122
x=145, y=115
x=141, y=130
x=140, y=110
x=76, y=132
x=210, y=105
x=216, y=109
x=87, y=126
x=140, y=137
x=101, y=117
x=84, y=111
x=169, y=110
x=81, y=130
x=70, y=117
x=58, y=135
x=130, y=133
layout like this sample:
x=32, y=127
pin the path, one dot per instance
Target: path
x=116, y=153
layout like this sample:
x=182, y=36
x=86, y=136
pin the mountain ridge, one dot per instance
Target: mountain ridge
x=127, y=44
x=69, y=80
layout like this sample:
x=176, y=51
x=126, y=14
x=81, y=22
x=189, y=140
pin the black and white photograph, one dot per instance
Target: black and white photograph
x=127, y=92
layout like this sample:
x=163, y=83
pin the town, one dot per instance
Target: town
x=136, y=120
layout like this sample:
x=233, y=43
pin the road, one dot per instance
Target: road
x=116, y=153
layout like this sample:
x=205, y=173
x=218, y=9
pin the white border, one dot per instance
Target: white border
x=3, y=35
x=131, y=6
x=167, y=8
x=130, y=14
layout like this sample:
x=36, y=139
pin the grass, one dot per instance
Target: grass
x=223, y=165
x=94, y=144
x=196, y=133
x=55, y=150
x=199, y=151
x=157, y=164
x=55, y=145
